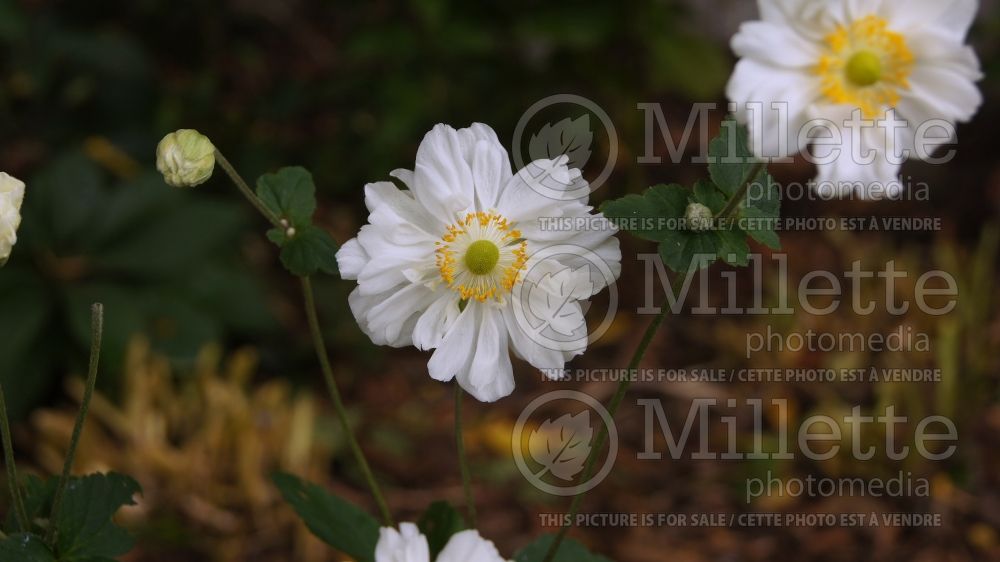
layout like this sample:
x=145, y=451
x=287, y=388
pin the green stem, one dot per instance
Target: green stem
x=338, y=403
x=246, y=191
x=317, y=337
x=8, y=453
x=602, y=433
x=735, y=201
x=96, y=331
x=463, y=460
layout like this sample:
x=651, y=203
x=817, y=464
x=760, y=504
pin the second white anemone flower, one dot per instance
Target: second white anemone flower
x=869, y=73
x=439, y=266
x=409, y=545
x=11, y=198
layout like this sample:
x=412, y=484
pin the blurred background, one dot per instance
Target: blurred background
x=208, y=382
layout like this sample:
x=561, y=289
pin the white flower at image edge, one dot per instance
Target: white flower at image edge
x=438, y=263
x=11, y=198
x=408, y=545
x=894, y=60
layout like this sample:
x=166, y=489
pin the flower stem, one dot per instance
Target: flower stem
x=338, y=403
x=96, y=332
x=245, y=189
x=20, y=513
x=318, y=344
x=463, y=460
x=735, y=201
x=602, y=433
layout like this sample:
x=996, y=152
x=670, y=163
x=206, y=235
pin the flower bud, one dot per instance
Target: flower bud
x=11, y=197
x=698, y=217
x=186, y=158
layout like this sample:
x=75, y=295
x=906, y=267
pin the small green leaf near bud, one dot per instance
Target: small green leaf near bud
x=186, y=158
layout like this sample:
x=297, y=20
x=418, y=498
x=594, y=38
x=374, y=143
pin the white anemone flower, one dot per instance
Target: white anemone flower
x=876, y=70
x=408, y=545
x=11, y=198
x=440, y=265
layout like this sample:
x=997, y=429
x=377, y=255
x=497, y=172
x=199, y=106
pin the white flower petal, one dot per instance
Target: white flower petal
x=951, y=17
x=774, y=44
x=351, y=259
x=490, y=375
x=405, y=545
x=526, y=197
x=529, y=347
x=469, y=546
x=940, y=90
x=851, y=173
x=490, y=171
x=11, y=198
x=436, y=321
x=756, y=86
x=454, y=354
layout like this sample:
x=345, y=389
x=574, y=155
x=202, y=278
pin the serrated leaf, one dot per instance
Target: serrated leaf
x=762, y=211
x=561, y=446
x=732, y=160
x=708, y=195
x=336, y=522
x=85, y=527
x=646, y=216
x=438, y=524
x=310, y=250
x=569, y=551
x=732, y=246
x=25, y=547
x=680, y=251
x=569, y=137
x=290, y=194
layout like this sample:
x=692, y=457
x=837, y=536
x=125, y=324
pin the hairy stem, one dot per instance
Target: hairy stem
x=463, y=460
x=338, y=403
x=20, y=513
x=96, y=332
x=741, y=194
x=602, y=433
x=246, y=191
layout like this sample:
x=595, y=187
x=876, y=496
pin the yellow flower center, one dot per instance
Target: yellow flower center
x=865, y=65
x=481, y=257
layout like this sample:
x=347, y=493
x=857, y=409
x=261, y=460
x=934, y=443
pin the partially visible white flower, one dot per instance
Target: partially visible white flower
x=11, y=197
x=408, y=545
x=876, y=69
x=439, y=265
x=186, y=158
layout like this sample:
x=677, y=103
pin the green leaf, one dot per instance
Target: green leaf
x=439, y=523
x=336, y=522
x=85, y=529
x=569, y=551
x=680, y=250
x=732, y=246
x=643, y=215
x=25, y=547
x=731, y=158
x=708, y=195
x=290, y=193
x=310, y=250
x=763, y=209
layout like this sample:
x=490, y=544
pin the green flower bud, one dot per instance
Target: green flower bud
x=11, y=197
x=186, y=158
x=698, y=217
